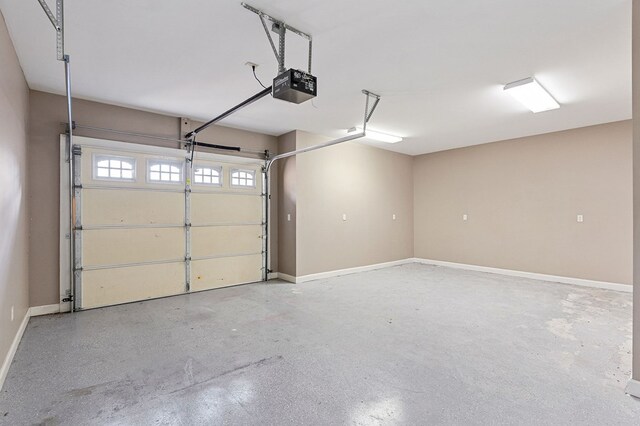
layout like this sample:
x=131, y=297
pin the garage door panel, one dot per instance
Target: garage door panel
x=120, y=246
x=225, y=208
x=225, y=240
x=104, y=287
x=134, y=230
x=226, y=271
x=126, y=207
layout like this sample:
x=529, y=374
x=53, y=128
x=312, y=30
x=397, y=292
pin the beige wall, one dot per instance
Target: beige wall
x=14, y=105
x=287, y=188
x=47, y=111
x=522, y=197
x=367, y=184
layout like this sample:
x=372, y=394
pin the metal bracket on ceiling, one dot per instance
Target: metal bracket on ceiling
x=58, y=24
x=369, y=112
x=280, y=28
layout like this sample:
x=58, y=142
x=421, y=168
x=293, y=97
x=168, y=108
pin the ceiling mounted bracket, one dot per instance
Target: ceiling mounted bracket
x=58, y=25
x=369, y=112
x=281, y=29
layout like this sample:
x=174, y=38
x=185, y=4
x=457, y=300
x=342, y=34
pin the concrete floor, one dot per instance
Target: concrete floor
x=412, y=344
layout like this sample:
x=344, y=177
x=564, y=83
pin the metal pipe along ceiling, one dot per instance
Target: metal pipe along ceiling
x=227, y=113
x=314, y=147
x=367, y=116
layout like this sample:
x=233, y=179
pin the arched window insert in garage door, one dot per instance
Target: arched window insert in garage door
x=164, y=171
x=207, y=175
x=243, y=178
x=114, y=167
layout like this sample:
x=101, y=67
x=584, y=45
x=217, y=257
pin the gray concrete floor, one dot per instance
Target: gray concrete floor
x=413, y=344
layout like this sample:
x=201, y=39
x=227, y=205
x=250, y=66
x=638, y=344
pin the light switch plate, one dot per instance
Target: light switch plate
x=464, y=217
x=580, y=218
x=344, y=216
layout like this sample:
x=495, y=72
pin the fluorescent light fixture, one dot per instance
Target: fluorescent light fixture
x=377, y=136
x=532, y=95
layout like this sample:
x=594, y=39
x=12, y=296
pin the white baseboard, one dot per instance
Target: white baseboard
x=532, y=275
x=286, y=277
x=522, y=274
x=633, y=388
x=12, y=349
x=339, y=272
x=31, y=312
x=35, y=311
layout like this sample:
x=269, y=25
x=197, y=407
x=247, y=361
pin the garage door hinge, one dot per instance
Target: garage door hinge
x=77, y=150
x=68, y=299
x=187, y=259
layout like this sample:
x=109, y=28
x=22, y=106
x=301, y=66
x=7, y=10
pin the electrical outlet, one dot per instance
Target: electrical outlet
x=464, y=217
x=394, y=217
x=12, y=313
x=344, y=216
x=580, y=218
x=289, y=217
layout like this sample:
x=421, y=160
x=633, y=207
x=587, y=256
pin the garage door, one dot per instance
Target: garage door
x=149, y=224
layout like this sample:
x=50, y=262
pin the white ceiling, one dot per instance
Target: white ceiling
x=439, y=65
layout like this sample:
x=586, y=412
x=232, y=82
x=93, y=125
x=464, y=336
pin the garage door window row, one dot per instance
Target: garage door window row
x=165, y=171
x=205, y=175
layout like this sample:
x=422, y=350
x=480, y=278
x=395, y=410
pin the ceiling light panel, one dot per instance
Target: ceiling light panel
x=377, y=136
x=532, y=95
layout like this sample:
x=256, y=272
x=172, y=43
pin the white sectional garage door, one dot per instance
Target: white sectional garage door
x=149, y=225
